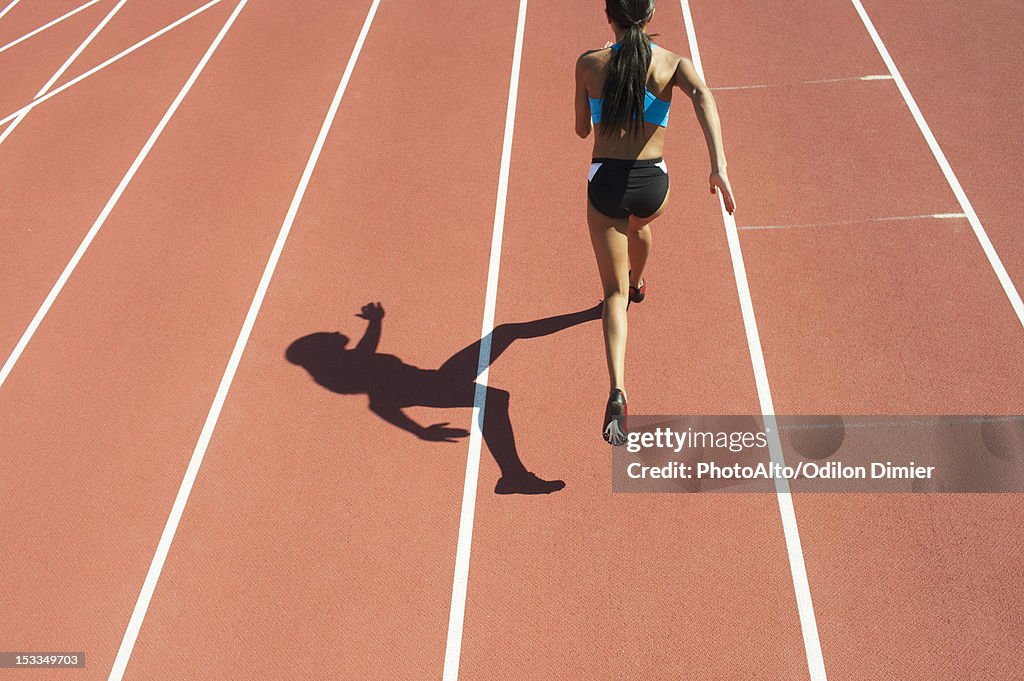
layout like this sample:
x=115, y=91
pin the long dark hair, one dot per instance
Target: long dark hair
x=626, y=81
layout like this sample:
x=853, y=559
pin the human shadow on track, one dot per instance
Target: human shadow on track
x=392, y=385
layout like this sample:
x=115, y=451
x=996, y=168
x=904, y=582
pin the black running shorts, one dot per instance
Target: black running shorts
x=619, y=188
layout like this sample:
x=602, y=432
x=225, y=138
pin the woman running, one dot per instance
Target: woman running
x=624, y=92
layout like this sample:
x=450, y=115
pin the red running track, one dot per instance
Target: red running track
x=876, y=316
x=27, y=65
x=319, y=540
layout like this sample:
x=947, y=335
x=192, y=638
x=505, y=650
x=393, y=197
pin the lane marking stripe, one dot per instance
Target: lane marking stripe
x=892, y=218
x=805, y=607
x=460, y=581
x=19, y=348
x=9, y=7
x=986, y=244
x=81, y=48
x=99, y=67
x=802, y=82
x=64, y=67
x=48, y=25
x=167, y=536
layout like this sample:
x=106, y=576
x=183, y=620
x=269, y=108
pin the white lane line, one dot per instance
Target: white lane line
x=802, y=82
x=167, y=536
x=802, y=590
x=9, y=7
x=940, y=158
x=42, y=28
x=112, y=201
x=460, y=581
x=99, y=67
x=892, y=218
x=64, y=67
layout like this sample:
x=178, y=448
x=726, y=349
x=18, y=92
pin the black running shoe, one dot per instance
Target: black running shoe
x=637, y=293
x=527, y=483
x=613, y=428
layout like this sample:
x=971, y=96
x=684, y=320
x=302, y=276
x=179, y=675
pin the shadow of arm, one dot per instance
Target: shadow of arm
x=396, y=417
x=438, y=432
x=374, y=313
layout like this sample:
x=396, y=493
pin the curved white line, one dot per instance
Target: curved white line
x=42, y=28
x=64, y=67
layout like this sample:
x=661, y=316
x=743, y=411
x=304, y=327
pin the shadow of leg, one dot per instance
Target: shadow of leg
x=497, y=432
x=463, y=365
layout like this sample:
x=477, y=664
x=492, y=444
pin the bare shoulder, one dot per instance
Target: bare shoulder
x=672, y=61
x=665, y=55
x=590, y=65
x=592, y=59
x=666, y=64
x=680, y=72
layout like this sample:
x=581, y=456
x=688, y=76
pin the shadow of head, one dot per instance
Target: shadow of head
x=313, y=349
x=326, y=357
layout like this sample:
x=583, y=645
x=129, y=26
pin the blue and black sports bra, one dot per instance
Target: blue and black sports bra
x=655, y=110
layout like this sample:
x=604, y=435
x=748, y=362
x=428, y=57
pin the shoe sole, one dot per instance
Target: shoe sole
x=613, y=433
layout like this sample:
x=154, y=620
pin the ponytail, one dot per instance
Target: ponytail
x=626, y=82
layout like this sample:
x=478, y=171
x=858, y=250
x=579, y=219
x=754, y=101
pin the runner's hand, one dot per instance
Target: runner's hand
x=721, y=181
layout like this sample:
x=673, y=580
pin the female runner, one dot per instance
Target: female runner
x=623, y=93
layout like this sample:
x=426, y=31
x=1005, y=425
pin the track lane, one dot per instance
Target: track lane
x=585, y=583
x=398, y=210
x=135, y=22
x=52, y=187
x=105, y=406
x=901, y=317
x=880, y=170
x=964, y=69
x=28, y=65
x=826, y=52
x=28, y=16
